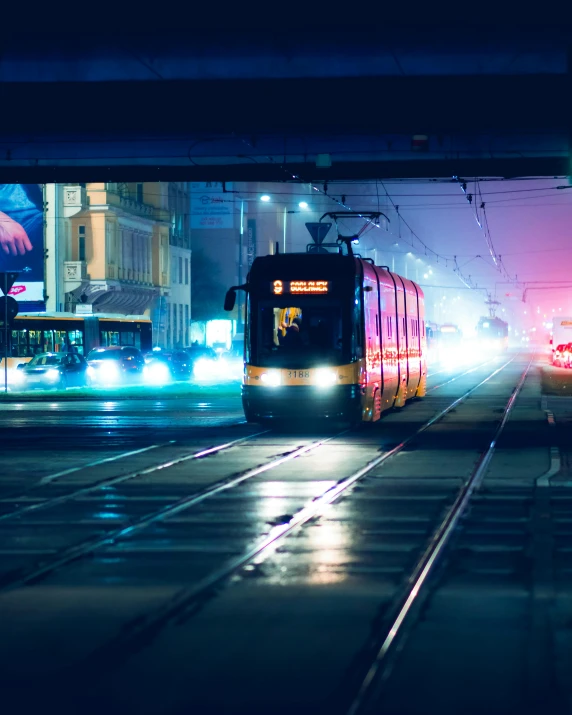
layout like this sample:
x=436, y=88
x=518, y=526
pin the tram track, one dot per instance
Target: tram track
x=187, y=599
x=407, y=604
x=77, y=551
x=92, y=488
x=462, y=374
x=114, y=480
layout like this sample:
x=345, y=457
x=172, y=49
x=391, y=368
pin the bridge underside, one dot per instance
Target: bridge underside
x=263, y=111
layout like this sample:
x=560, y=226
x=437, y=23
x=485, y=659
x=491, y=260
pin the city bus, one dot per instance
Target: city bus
x=60, y=332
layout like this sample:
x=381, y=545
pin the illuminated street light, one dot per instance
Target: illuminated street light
x=303, y=204
x=265, y=198
x=425, y=275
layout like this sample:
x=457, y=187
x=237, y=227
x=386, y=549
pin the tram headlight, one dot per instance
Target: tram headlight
x=325, y=377
x=271, y=379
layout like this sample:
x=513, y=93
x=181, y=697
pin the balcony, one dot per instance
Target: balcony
x=75, y=273
x=74, y=200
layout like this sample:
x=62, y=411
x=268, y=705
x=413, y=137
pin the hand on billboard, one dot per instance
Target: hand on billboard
x=13, y=239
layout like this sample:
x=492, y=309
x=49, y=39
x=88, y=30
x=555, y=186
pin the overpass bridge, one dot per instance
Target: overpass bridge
x=253, y=104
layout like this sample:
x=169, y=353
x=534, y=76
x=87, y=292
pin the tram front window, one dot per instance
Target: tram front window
x=299, y=335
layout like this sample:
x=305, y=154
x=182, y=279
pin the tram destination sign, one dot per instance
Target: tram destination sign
x=279, y=287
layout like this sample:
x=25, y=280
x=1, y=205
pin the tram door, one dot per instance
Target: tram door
x=373, y=346
x=389, y=347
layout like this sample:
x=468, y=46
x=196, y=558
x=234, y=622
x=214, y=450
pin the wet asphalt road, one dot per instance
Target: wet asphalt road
x=164, y=556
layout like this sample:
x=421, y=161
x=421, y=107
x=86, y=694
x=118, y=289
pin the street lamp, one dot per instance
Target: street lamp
x=265, y=198
x=303, y=204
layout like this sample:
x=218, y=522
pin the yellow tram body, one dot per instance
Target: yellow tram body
x=330, y=336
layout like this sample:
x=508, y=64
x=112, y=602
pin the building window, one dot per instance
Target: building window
x=186, y=271
x=140, y=193
x=81, y=243
x=175, y=336
x=180, y=270
x=186, y=330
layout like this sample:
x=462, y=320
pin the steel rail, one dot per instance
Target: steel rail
x=427, y=561
x=462, y=374
x=188, y=596
x=111, y=481
x=77, y=551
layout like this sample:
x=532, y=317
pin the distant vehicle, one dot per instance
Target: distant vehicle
x=165, y=365
x=561, y=331
x=205, y=362
x=115, y=365
x=562, y=355
x=492, y=334
x=52, y=370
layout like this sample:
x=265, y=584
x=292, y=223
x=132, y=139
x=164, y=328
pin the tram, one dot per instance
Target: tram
x=59, y=332
x=330, y=335
x=492, y=334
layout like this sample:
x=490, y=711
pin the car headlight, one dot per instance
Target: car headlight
x=156, y=373
x=204, y=369
x=18, y=377
x=109, y=369
x=271, y=379
x=325, y=377
x=52, y=374
x=91, y=371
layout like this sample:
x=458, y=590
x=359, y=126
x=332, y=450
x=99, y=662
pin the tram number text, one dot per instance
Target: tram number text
x=299, y=373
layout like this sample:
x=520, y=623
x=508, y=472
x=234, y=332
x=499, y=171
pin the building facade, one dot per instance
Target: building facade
x=113, y=248
x=121, y=249
x=178, y=305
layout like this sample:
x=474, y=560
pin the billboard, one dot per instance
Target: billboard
x=22, y=242
x=211, y=206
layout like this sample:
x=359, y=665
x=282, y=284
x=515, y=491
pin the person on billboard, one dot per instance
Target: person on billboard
x=13, y=237
x=20, y=216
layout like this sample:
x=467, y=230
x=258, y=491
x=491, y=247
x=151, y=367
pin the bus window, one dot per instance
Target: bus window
x=20, y=343
x=35, y=342
x=75, y=338
x=109, y=338
x=60, y=341
x=48, y=339
x=127, y=338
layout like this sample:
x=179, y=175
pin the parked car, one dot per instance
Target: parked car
x=561, y=357
x=568, y=355
x=115, y=365
x=52, y=370
x=165, y=365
